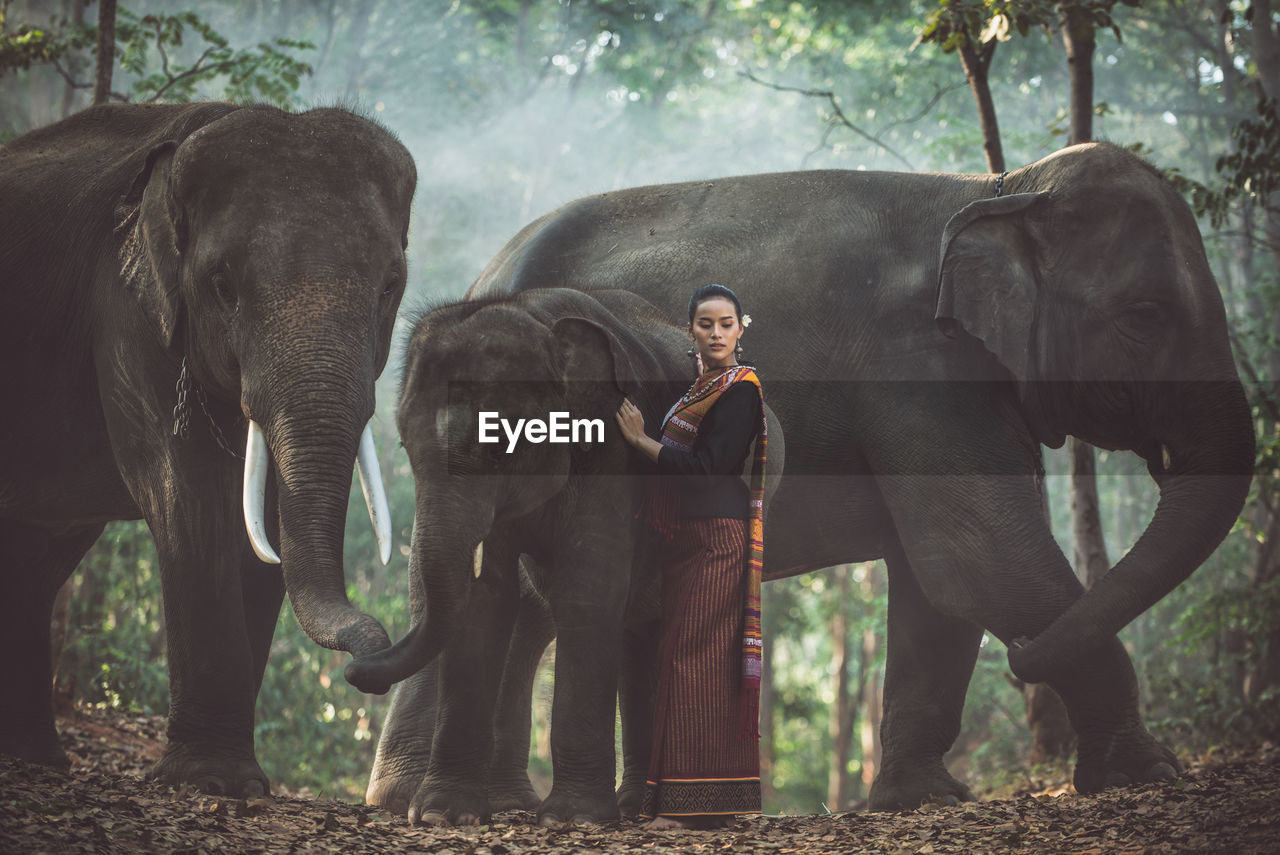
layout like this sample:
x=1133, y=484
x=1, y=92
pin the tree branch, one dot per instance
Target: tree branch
x=193, y=70
x=835, y=109
x=66, y=75
x=938, y=93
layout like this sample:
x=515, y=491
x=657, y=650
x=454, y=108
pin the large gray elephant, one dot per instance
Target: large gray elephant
x=183, y=284
x=569, y=509
x=921, y=336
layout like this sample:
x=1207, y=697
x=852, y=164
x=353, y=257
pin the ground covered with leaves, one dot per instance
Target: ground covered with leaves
x=1227, y=802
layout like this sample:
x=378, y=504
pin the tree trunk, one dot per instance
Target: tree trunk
x=106, y=51
x=1080, y=39
x=873, y=685
x=977, y=64
x=841, y=719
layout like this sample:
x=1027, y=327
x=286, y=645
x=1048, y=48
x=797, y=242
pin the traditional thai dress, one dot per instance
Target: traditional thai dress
x=706, y=755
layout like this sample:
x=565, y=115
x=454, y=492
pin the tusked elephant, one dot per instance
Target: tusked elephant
x=922, y=336
x=569, y=509
x=184, y=284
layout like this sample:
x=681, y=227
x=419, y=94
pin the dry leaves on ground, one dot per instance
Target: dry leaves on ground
x=1228, y=804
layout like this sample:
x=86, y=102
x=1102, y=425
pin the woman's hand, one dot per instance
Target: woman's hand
x=631, y=423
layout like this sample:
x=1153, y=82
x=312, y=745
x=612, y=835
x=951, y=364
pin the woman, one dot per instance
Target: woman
x=705, y=767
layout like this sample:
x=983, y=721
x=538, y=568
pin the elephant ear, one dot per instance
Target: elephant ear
x=988, y=282
x=151, y=225
x=593, y=364
x=154, y=239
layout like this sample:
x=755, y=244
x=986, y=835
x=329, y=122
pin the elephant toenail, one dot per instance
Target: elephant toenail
x=429, y=817
x=950, y=801
x=254, y=790
x=550, y=820
x=1162, y=772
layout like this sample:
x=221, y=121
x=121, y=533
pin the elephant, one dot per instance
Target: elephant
x=569, y=509
x=921, y=337
x=184, y=282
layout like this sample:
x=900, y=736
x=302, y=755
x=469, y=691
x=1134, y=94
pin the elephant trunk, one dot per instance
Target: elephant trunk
x=311, y=436
x=446, y=552
x=1204, y=472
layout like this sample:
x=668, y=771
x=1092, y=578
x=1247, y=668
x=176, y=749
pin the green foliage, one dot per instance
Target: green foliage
x=172, y=57
x=25, y=46
x=146, y=49
x=114, y=653
x=1250, y=171
x=956, y=23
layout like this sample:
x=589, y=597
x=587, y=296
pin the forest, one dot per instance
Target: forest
x=514, y=107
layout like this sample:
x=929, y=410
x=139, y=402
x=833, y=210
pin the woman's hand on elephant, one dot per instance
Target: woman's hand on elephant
x=631, y=423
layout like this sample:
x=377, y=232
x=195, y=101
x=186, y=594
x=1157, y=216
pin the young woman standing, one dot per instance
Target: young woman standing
x=705, y=767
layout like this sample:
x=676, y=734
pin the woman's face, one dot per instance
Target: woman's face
x=715, y=331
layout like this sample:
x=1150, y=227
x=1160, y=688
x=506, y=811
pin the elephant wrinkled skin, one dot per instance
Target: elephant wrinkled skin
x=263, y=253
x=920, y=338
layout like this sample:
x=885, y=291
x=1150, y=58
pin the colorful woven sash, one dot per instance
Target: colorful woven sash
x=680, y=431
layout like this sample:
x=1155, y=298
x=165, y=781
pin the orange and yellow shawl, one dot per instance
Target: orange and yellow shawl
x=680, y=431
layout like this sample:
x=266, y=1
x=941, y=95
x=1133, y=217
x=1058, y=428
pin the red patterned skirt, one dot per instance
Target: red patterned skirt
x=702, y=765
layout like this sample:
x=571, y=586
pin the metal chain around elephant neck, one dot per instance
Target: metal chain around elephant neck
x=182, y=412
x=1000, y=183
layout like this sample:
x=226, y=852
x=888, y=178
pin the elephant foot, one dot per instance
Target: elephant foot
x=217, y=773
x=909, y=789
x=512, y=793
x=394, y=792
x=630, y=795
x=1123, y=761
x=564, y=807
x=448, y=804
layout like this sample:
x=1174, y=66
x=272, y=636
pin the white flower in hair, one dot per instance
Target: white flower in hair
x=746, y=321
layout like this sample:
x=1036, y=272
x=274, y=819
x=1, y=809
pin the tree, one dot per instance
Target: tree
x=106, y=51
x=973, y=29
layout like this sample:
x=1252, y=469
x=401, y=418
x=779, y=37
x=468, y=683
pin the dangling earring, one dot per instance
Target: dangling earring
x=691, y=353
x=737, y=351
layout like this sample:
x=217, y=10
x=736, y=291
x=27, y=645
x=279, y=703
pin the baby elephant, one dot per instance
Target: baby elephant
x=507, y=412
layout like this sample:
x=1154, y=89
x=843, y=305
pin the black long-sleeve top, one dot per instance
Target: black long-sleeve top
x=709, y=476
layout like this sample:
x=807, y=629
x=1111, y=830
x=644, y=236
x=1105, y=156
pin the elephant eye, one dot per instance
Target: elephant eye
x=392, y=285
x=1142, y=320
x=222, y=287
x=1144, y=313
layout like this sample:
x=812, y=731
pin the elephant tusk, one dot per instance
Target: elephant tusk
x=1165, y=457
x=477, y=559
x=375, y=497
x=257, y=460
